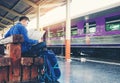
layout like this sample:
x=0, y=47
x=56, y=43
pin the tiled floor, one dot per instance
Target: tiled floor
x=88, y=72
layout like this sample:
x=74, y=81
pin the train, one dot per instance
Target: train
x=94, y=35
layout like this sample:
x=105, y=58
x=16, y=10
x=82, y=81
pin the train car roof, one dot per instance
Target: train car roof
x=91, y=15
x=10, y=10
x=98, y=14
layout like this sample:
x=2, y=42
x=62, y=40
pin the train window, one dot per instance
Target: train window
x=60, y=34
x=74, y=31
x=51, y=35
x=90, y=27
x=112, y=23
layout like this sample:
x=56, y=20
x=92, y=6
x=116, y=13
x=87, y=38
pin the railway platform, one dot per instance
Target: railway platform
x=88, y=72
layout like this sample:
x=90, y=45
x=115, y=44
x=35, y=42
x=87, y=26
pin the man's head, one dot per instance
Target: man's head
x=24, y=20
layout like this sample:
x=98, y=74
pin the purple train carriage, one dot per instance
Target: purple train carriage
x=97, y=37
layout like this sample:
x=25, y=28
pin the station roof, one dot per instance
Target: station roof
x=11, y=10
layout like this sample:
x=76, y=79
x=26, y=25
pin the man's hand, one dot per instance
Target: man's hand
x=40, y=40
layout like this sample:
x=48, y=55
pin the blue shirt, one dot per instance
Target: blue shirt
x=20, y=29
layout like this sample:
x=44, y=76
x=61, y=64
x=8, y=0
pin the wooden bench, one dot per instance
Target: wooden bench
x=13, y=67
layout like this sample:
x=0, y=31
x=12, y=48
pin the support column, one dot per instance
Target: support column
x=48, y=40
x=68, y=32
x=87, y=31
x=38, y=18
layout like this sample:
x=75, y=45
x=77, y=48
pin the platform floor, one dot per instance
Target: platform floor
x=88, y=72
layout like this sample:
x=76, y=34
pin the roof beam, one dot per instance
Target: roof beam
x=11, y=11
x=6, y=19
x=51, y=5
x=30, y=3
x=34, y=5
x=3, y=24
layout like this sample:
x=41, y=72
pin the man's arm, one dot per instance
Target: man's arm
x=24, y=32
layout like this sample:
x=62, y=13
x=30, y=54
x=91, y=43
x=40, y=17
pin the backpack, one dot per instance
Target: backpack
x=51, y=68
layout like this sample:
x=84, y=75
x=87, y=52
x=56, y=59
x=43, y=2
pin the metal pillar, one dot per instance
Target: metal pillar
x=87, y=28
x=48, y=32
x=68, y=32
x=38, y=18
x=87, y=24
x=48, y=40
x=87, y=31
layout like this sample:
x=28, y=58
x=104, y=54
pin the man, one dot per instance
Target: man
x=32, y=47
x=20, y=28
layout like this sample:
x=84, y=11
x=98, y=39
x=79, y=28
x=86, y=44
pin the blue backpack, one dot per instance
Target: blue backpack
x=51, y=67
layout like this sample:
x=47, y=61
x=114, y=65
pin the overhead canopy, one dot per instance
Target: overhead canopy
x=11, y=10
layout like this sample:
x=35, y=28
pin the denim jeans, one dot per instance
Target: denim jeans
x=35, y=50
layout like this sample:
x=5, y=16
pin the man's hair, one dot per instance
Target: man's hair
x=23, y=18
